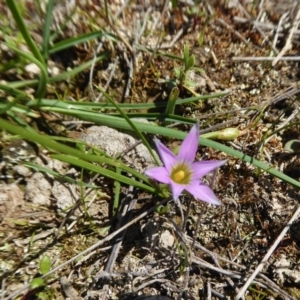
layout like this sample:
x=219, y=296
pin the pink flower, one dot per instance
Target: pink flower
x=181, y=172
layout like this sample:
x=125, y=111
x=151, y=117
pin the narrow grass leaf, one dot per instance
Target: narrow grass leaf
x=117, y=192
x=172, y=101
x=132, y=125
x=13, y=91
x=60, y=148
x=24, y=31
x=31, y=45
x=67, y=43
x=59, y=176
x=116, y=122
x=17, y=108
x=63, y=76
x=4, y=108
x=103, y=171
x=44, y=75
x=123, y=106
x=46, y=30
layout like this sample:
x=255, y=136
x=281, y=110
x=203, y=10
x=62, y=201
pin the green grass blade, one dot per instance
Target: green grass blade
x=132, y=125
x=59, y=176
x=103, y=171
x=31, y=45
x=102, y=119
x=4, y=108
x=67, y=43
x=75, y=71
x=63, y=76
x=17, y=108
x=117, y=192
x=261, y=165
x=79, y=156
x=13, y=91
x=57, y=107
x=44, y=75
x=171, y=103
x=46, y=31
x=18, y=120
x=123, y=106
x=24, y=31
x=22, y=84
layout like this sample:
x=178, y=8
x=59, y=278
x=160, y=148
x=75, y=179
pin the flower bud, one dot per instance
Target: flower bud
x=228, y=134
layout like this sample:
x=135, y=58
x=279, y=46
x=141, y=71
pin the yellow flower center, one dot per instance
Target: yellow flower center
x=181, y=174
x=178, y=176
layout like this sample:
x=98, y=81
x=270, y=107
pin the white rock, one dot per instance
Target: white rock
x=38, y=190
x=33, y=69
x=166, y=239
x=284, y=270
x=22, y=171
x=114, y=142
x=65, y=194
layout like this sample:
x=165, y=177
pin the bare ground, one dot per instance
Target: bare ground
x=220, y=247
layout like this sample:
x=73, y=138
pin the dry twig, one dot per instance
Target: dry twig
x=267, y=256
x=288, y=44
x=95, y=246
x=265, y=58
x=128, y=208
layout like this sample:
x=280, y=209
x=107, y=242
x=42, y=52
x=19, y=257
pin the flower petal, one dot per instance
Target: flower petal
x=201, y=191
x=166, y=155
x=204, y=167
x=189, y=145
x=159, y=173
x=176, y=189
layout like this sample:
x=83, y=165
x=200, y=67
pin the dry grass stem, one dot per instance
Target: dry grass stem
x=288, y=44
x=268, y=254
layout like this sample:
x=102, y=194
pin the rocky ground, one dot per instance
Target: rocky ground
x=247, y=50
